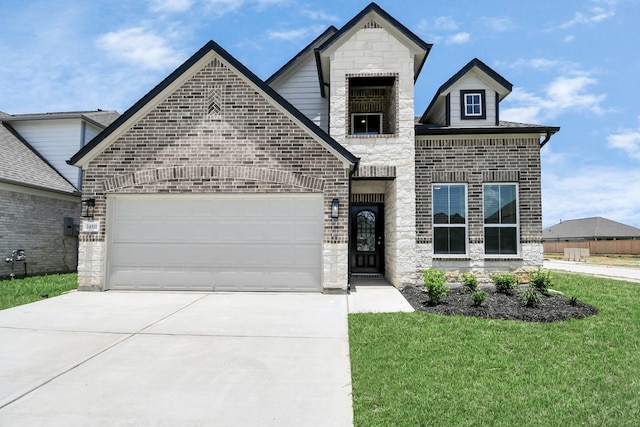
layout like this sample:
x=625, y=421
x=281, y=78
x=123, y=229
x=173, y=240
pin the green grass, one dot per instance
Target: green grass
x=421, y=369
x=23, y=291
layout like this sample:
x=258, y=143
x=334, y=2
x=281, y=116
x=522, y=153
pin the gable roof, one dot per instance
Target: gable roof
x=423, y=48
x=304, y=52
x=590, y=229
x=182, y=73
x=482, y=67
x=21, y=164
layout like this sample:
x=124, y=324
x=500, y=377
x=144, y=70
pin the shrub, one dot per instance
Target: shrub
x=504, y=282
x=573, y=301
x=530, y=297
x=540, y=281
x=478, y=296
x=470, y=281
x=434, y=281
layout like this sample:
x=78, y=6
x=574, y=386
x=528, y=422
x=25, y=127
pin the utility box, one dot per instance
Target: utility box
x=68, y=226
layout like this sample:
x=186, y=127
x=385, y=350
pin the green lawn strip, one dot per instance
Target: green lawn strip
x=422, y=369
x=23, y=291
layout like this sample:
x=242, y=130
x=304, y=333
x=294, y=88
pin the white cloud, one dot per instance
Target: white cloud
x=140, y=47
x=569, y=38
x=498, y=24
x=171, y=5
x=318, y=15
x=439, y=23
x=593, y=15
x=459, y=38
x=565, y=93
x=591, y=191
x=627, y=141
x=296, y=34
x=288, y=35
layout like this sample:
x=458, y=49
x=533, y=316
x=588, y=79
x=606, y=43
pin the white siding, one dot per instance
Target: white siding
x=56, y=141
x=472, y=81
x=90, y=132
x=302, y=89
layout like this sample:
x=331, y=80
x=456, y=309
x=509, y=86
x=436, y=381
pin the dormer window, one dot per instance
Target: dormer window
x=473, y=104
x=372, y=105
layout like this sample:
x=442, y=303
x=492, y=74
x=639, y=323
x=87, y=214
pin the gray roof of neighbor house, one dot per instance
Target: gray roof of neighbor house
x=590, y=229
x=21, y=165
x=101, y=118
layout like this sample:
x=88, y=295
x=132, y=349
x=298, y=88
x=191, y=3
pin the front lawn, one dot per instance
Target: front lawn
x=30, y=289
x=419, y=369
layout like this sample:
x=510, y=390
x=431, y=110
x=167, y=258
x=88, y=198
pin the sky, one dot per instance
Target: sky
x=573, y=64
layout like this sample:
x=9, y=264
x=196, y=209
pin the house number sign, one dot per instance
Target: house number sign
x=91, y=226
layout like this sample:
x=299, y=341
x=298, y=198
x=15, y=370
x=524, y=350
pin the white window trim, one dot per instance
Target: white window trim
x=479, y=94
x=465, y=225
x=518, y=253
x=353, y=119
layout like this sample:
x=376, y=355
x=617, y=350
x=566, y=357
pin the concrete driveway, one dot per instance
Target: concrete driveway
x=118, y=358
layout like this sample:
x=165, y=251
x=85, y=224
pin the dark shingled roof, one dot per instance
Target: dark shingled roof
x=101, y=118
x=590, y=229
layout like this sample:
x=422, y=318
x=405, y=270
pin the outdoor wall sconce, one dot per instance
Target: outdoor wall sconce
x=335, y=204
x=88, y=206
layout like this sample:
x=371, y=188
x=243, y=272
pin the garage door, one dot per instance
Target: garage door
x=229, y=243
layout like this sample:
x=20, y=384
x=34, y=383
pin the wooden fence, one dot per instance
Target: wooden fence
x=630, y=247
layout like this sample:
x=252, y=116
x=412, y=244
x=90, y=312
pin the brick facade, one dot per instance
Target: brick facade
x=243, y=145
x=34, y=222
x=476, y=161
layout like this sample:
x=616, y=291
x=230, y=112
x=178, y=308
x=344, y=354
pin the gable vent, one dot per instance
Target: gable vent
x=214, y=102
x=372, y=24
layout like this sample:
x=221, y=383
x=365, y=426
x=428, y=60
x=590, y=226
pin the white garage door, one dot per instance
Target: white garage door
x=222, y=242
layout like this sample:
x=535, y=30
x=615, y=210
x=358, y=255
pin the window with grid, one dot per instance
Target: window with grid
x=501, y=226
x=449, y=219
x=473, y=104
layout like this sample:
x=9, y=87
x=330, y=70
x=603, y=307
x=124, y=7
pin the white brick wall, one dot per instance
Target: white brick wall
x=375, y=51
x=336, y=268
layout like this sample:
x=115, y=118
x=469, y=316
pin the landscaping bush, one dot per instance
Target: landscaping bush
x=434, y=281
x=470, y=281
x=540, y=281
x=530, y=297
x=478, y=296
x=504, y=282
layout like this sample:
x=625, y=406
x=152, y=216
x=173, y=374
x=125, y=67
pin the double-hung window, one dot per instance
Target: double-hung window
x=449, y=219
x=501, y=219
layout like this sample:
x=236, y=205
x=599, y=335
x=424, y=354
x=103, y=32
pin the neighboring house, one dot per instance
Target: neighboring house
x=583, y=229
x=39, y=192
x=217, y=180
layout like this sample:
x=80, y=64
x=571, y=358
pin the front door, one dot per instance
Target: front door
x=367, y=239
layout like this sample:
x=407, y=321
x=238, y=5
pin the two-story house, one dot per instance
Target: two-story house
x=218, y=180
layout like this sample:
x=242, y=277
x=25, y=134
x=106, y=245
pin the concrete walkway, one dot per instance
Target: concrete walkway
x=620, y=273
x=116, y=358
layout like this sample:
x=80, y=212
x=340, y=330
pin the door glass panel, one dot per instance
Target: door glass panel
x=366, y=231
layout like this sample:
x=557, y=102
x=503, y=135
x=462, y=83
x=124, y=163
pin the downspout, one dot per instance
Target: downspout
x=546, y=139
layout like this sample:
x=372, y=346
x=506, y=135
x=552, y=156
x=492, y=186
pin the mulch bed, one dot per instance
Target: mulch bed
x=499, y=306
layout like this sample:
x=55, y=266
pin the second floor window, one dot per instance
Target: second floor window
x=473, y=104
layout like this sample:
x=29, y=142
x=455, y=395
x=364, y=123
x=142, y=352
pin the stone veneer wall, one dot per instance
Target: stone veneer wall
x=245, y=145
x=34, y=222
x=374, y=52
x=475, y=161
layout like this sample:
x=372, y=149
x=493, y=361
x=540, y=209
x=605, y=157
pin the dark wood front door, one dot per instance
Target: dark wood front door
x=367, y=239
